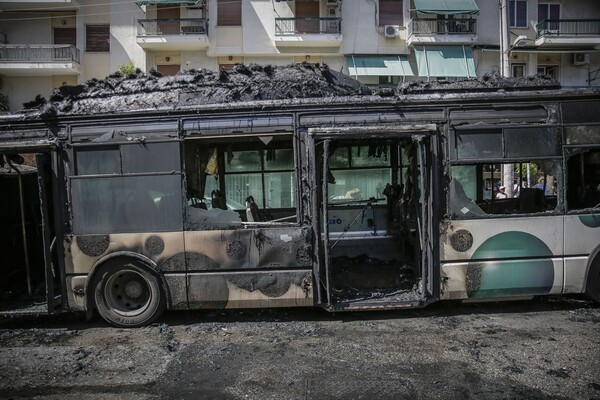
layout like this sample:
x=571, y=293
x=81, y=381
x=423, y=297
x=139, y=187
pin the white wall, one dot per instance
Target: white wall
x=123, y=34
x=27, y=28
x=22, y=89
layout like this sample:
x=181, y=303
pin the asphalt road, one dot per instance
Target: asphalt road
x=541, y=349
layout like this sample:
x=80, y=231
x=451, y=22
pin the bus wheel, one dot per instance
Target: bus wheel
x=592, y=287
x=128, y=294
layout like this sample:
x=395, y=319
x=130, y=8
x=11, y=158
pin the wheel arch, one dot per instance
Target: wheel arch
x=120, y=257
x=593, y=267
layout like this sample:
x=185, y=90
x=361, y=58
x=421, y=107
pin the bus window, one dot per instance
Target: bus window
x=583, y=188
x=138, y=184
x=247, y=181
x=478, y=190
x=359, y=173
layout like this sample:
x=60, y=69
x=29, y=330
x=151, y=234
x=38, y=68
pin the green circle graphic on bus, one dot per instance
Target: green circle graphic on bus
x=529, y=274
x=591, y=221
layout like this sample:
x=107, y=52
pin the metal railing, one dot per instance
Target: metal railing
x=39, y=52
x=299, y=26
x=179, y=26
x=420, y=26
x=568, y=27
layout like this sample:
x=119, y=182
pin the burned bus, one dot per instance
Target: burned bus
x=345, y=203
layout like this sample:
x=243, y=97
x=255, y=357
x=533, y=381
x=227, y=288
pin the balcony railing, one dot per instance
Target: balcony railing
x=568, y=27
x=301, y=26
x=39, y=53
x=420, y=26
x=179, y=26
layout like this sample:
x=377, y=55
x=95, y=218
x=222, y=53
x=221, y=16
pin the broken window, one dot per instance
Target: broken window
x=251, y=180
x=138, y=184
x=504, y=171
x=478, y=190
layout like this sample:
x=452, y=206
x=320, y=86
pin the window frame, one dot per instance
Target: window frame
x=224, y=12
x=387, y=13
x=513, y=14
x=94, y=48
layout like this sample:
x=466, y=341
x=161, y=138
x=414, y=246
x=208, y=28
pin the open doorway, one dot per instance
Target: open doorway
x=28, y=278
x=375, y=218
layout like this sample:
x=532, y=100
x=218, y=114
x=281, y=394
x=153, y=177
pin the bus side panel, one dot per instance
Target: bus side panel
x=582, y=238
x=250, y=289
x=165, y=249
x=256, y=267
x=502, y=257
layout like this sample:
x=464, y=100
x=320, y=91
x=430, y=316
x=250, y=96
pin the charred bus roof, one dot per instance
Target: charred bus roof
x=256, y=91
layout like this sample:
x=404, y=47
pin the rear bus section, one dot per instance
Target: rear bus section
x=522, y=202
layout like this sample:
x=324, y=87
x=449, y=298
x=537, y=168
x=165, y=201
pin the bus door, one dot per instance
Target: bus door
x=374, y=218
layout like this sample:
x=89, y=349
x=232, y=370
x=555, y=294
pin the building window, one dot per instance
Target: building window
x=229, y=12
x=518, y=70
x=517, y=13
x=549, y=70
x=65, y=36
x=548, y=12
x=390, y=12
x=97, y=38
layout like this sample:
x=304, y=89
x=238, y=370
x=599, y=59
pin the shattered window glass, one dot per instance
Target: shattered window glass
x=478, y=190
x=251, y=181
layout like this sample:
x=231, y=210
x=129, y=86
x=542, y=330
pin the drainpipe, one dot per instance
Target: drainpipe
x=508, y=170
x=24, y=231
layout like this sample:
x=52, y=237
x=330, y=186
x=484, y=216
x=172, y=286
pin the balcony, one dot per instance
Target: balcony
x=308, y=32
x=451, y=31
x=173, y=34
x=569, y=33
x=39, y=60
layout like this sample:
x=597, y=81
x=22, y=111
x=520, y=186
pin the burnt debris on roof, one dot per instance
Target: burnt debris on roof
x=243, y=83
x=139, y=91
x=485, y=83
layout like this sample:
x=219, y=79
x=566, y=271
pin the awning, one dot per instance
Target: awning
x=445, y=61
x=446, y=6
x=153, y=2
x=379, y=66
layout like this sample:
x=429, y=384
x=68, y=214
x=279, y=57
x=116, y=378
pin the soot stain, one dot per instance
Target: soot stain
x=473, y=279
x=236, y=249
x=271, y=285
x=154, y=245
x=93, y=245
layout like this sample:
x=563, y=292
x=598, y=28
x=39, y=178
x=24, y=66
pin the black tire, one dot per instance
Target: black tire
x=592, y=287
x=128, y=294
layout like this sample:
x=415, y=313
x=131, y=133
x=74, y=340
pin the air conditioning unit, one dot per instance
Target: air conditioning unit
x=331, y=3
x=391, y=31
x=581, y=58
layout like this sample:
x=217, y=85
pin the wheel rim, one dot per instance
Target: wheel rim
x=128, y=293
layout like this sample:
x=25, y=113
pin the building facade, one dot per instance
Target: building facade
x=47, y=44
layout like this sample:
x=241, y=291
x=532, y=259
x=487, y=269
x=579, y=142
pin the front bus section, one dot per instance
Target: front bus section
x=374, y=214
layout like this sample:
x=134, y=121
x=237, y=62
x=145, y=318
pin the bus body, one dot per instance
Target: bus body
x=346, y=204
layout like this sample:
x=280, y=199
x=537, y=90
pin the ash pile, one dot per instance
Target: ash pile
x=490, y=82
x=152, y=91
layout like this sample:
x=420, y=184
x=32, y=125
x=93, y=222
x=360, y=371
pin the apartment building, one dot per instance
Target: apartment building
x=49, y=43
